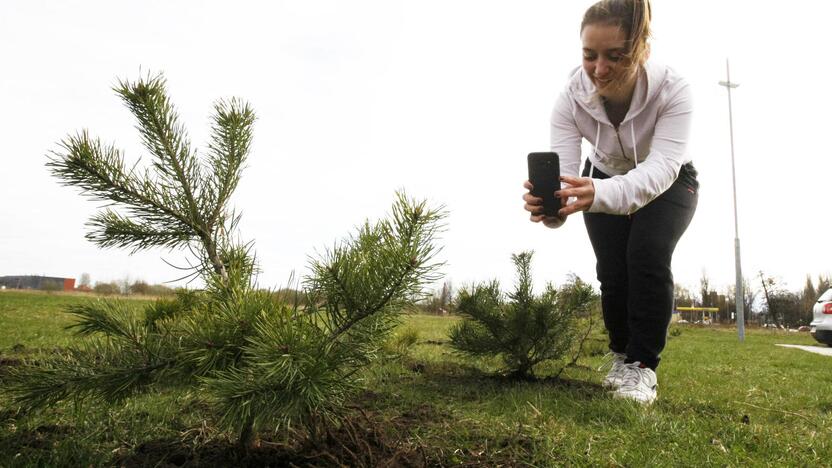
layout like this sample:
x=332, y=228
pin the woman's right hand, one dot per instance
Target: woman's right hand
x=534, y=205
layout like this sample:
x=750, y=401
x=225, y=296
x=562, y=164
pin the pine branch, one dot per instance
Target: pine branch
x=111, y=318
x=382, y=267
x=111, y=229
x=231, y=137
x=164, y=137
x=100, y=172
x=100, y=369
x=177, y=166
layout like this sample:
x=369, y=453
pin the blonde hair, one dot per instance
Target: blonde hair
x=633, y=17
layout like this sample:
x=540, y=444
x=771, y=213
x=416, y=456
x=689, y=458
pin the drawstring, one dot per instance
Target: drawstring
x=595, y=147
x=598, y=135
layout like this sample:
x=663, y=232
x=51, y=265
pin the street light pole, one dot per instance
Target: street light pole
x=739, y=295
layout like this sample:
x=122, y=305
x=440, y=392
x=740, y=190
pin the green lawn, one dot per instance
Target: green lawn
x=720, y=403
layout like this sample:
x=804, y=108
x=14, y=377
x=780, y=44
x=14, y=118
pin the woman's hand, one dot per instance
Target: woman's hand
x=582, y=189
x=534, y=205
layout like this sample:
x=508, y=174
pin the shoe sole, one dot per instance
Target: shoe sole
x=619, y=396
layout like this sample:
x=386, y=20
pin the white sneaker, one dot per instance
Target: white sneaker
x=638, y=384
x=615, y=376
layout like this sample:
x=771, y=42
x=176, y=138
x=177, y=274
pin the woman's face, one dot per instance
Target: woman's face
x=604, y=58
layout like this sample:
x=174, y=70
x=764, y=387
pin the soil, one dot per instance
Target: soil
x=365, y=438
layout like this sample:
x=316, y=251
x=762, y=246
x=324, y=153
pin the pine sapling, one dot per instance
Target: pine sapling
x=258, y=359
x=523, y=329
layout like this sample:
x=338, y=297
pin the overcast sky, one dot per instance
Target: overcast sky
x=356, y=99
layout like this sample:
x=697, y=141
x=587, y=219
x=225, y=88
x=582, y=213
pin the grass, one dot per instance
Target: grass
x=720, y=403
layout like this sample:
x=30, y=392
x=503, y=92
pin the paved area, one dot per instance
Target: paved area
x=825, y=350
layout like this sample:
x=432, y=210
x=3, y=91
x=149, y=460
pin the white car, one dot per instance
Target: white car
x=822, y=318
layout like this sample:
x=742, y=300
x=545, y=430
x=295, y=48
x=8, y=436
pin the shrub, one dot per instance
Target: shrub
x=106, y=289
x=402, y=341
x=523, y=329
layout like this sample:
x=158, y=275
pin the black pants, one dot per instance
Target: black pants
x=633, y=254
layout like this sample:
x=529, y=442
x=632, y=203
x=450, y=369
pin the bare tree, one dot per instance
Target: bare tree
x=768, y=283
x=85, y=281
x=749, y=297
x=705, y=289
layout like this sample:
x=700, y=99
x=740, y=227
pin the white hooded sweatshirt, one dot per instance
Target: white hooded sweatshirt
x=643, y=156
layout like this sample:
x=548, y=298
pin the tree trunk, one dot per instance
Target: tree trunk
x=247, y=435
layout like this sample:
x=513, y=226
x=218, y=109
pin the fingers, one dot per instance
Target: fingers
x=573, y=208
x=583, y=200
x=531, y=199
x=583, y=191
x=528, y=197
x=533, y=209
x=575, y=181
x=576, y=186
x=532, y=203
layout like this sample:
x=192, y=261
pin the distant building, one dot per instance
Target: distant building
x=37, y=282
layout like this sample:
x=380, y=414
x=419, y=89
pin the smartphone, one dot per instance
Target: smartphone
x=544, y=174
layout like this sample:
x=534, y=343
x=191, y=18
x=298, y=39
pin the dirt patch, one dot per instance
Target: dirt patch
x=6, y=361
x=41, y=438
x=420, y=416
x=361, y=440
x=436, y=342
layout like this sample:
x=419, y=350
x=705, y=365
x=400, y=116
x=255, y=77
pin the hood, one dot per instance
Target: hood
x=651, y=79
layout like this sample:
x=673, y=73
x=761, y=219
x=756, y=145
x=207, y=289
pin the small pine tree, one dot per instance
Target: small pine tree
x=524, y=330
x=259, y=359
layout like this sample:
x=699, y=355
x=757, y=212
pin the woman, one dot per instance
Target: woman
x=638, y=189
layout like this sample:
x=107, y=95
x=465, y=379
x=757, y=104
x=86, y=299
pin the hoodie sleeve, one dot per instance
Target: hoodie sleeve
x=626, y=194
x=565, y=138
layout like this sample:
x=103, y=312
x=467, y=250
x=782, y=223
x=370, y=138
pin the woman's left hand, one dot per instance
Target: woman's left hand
x=582, y=189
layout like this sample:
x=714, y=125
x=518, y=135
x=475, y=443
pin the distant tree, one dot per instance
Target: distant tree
x=749, y=298
x=107, y=289
x=705, y=289
x=682, y=296
x=768, y=285
x=446, y=296
x=824, y=283
x=160, y=290
x=784, y=307
x=789, y=307
x=808, y=297
x=85, y=281
x=441, y=301
x=139, y=287
x=523, y=329
x=124, y=285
